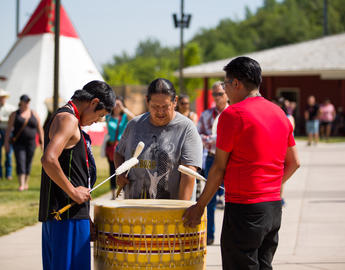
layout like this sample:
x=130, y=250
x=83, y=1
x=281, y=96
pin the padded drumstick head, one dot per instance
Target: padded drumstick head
x=126, y=165
x=190, y=172
x=139, y=149
x=137, y=152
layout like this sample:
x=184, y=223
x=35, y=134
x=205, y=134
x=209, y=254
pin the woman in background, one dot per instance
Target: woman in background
x=327, y=116
x=183, y=107
x=116, y=124
x=23, y=124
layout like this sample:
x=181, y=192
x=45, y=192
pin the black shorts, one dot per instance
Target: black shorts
x=250, y=235
x=325, y=123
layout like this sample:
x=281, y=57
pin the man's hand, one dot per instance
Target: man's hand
x=192, y=216
x=81, y=195
x=122, y=180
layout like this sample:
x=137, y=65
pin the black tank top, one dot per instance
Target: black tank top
x=28, y=135
x=73, y=164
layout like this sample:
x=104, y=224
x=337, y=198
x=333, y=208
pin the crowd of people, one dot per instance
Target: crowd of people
x=228, y=144
x=321, y=119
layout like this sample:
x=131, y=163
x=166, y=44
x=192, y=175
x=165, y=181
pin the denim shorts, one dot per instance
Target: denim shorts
x=312, y=126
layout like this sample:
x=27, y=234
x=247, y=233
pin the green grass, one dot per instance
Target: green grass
x=331, y=139
x=20, y=209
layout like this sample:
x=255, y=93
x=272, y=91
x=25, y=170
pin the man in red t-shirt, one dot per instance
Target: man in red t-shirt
x=255, y=154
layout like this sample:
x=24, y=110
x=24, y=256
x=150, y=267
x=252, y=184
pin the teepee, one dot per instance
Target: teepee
x=28, y=68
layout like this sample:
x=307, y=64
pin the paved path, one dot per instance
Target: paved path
x=312, y=235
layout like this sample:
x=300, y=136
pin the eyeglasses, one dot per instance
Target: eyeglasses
x=220, y=94
x=225, y=82
x=184, y=103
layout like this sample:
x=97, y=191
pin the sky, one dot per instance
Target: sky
x=110, y=27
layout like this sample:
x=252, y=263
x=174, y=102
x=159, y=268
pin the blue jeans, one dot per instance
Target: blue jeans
x=8, y=158
x=211, y=207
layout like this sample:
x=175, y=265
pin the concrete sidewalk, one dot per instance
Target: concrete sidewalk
x=312, y=235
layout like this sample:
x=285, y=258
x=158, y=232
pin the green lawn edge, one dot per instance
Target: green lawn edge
x=20, y=209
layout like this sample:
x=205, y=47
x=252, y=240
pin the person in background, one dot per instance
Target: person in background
x=205, y=124
x=327, y=116
x=284, y=104
x=116, y=124
x=5, y=111
x=23, y=125
x=288, y=109
x=291, y=106
x=253, y=168
x=183, y=107
x=170, y=140
x=311, y=116
x=339, y=122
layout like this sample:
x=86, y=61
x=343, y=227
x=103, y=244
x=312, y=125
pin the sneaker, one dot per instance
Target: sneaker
x=210, y=241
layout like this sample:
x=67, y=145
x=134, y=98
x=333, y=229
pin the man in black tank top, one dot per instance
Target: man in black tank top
x=66, y=177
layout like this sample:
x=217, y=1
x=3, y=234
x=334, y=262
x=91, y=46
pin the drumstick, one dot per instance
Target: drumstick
x=68, y=206
x=137, y=152
x=190, y=172
x=127, y=165
x=120, y=170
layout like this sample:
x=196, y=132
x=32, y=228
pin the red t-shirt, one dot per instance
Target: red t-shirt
x=257, y=133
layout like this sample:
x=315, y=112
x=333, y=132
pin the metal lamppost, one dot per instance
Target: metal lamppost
x=56, y=55
x=182, y=22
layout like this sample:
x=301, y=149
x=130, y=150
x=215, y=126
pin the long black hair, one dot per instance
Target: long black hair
x=97, y=89
x=161, y=86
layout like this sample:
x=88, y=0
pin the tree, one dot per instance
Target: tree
x=276, y=23
x=150, y=61
x=192, y=56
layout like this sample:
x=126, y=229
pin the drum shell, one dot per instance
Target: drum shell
x=147, y=234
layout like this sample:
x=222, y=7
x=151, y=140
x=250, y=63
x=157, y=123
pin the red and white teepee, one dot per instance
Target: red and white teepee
x=28, y=68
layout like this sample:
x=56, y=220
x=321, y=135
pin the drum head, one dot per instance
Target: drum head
x=145, y=203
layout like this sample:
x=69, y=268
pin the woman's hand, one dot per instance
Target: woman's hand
x=7, y=146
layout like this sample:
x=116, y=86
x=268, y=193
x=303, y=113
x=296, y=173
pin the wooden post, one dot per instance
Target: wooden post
x=205, y=93
x=181, y=80
x=56, y=55
x=17, y=17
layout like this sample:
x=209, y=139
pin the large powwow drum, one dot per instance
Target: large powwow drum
x=147, y=234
